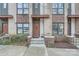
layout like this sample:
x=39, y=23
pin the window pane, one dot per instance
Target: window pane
x=19, y=5
x=54, y=11
x=19, y=30
x=20, y=11
x=55, y=28
x=5, y=4
x=26, y=25
x=22, y=28
x=19, y=25
x=36, y=5
x=60, y=29
x=60, y=5
x=54, y=5
x=26, y=5
x=26, y=11
x=26, y=31
x=60, y=11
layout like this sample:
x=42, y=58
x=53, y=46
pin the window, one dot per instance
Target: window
x=19, y=5
x=26, y=5
x=22, y=28
x=36, y=5
x=22, y=8
x=19, y=11
x=58, y=28
x=5, y=5
x=58, y=8
x=26, y=11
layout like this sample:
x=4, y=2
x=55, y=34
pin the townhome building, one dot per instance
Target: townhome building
x=39, y=19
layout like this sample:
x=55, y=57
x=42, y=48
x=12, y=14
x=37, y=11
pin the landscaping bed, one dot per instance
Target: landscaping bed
x=20, y=39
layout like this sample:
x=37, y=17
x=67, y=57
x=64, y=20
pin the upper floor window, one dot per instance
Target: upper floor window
x=19, y=5
x=22, y=8
x=58, y=8
x=36, y=5
x=5, y=5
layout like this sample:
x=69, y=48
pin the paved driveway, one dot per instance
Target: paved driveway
x=10, y=50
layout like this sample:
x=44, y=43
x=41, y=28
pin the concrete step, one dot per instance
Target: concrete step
x=37, y=41
x=37, y=45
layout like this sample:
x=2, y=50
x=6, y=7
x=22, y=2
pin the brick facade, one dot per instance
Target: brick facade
x=22, y=19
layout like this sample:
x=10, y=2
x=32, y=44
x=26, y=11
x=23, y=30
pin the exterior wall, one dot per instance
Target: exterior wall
x=57, y=18
x=48, y=21
x=12, y=22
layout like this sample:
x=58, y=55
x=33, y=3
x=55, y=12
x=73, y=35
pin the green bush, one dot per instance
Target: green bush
x=19, y=38
x=14, y=39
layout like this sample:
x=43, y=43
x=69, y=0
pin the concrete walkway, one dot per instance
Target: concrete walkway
x=10, y=50
x=35, y=51
x=62, y=52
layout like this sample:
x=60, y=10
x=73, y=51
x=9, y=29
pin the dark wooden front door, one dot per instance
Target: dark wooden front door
x=36, y=28
x=5, y=27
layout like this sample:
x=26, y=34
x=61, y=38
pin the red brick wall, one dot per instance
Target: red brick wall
x=22, y=18
x=58, y=18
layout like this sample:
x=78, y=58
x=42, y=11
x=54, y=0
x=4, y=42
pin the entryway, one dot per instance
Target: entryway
x=5, y=27
x=36, y=27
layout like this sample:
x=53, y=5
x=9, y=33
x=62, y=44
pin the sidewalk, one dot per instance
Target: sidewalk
x=11, y=50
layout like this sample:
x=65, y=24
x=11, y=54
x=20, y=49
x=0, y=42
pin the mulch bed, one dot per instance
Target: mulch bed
x=64, y=45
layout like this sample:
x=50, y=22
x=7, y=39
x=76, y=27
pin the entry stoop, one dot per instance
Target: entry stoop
x=37, y=42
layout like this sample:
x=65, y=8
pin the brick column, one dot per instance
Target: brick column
x=73, y=19
x=12, y=22
x=65, y=19
x=48, y=21
x=30, y=19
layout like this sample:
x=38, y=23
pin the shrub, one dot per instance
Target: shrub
x=19, y=38
x=14, y=39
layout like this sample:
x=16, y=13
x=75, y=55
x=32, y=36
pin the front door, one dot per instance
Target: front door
x=5, y=27
x=36, y=28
